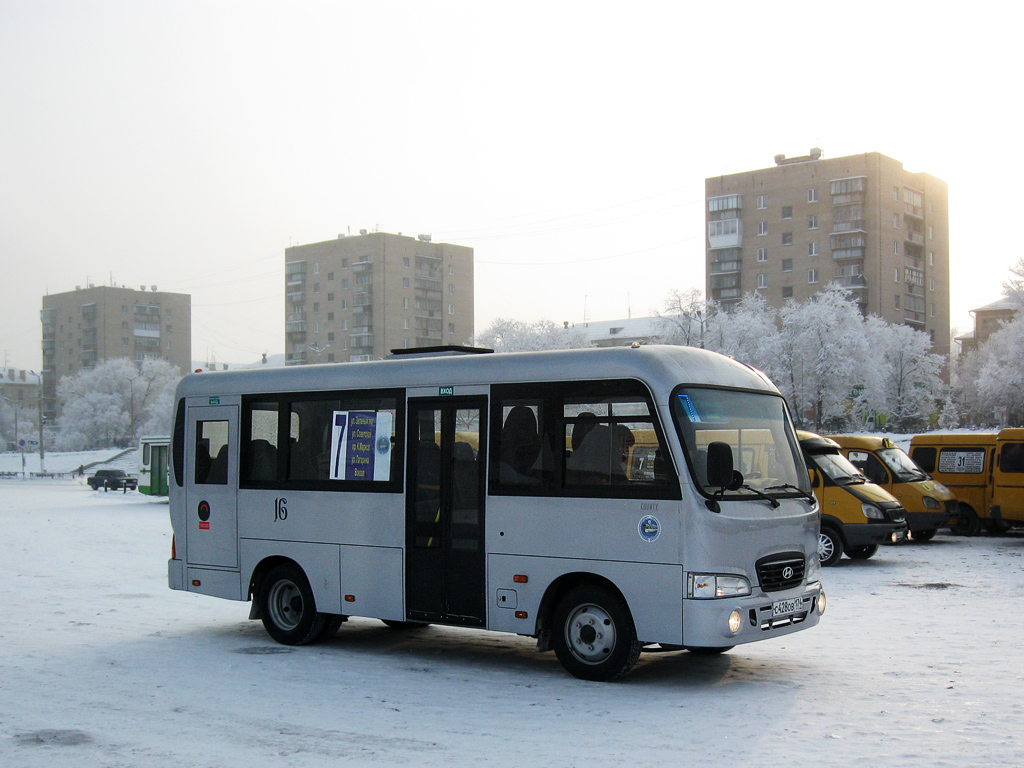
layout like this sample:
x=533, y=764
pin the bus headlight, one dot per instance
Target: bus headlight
x=872, y=512
x=708, y=586
x=931, y=503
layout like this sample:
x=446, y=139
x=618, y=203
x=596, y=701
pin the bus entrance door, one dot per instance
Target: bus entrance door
x=211, y=481
x=444, y=572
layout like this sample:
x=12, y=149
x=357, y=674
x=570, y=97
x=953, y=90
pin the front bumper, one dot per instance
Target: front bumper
x=706, y=622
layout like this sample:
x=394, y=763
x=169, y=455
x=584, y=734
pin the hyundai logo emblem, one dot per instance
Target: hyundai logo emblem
x=787, y=572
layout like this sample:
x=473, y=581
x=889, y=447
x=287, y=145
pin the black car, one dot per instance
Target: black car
x=113, y=480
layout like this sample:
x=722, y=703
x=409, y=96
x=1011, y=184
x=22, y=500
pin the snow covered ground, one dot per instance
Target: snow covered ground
x=915, y=663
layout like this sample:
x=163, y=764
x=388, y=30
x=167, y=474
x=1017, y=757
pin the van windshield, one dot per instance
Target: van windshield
x=757, y=428
x=902, y=465
x=838, y=468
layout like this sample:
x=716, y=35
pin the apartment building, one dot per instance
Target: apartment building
x=861, y=221
x=94, y=324
x=358, y=297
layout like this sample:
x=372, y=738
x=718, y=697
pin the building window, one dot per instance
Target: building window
x=344, y=325
x=330, y=317
x=895, y=193
x=787, y=292
x=451, y=289
x=812, y=195
x=405, y=304
x=405, y=282
x=330, y=335
x=787, y=265
x=932, y=310
x=344, y=282
x=896, y=300
x=451, y=269
x=812, y=248
x=451, y=327
x=405, y=325
x=896, y=275
x=762, y=254
x=316, y=306
x=931, y=283
x=762, y=281
x=787, y=211
x=762, y=228
x=344, y=303
x=812, y=275
x=344, y=263
x=316, y=287
x=762, y=202
x=330, y=276
x=896, y=247
x=895, y=221
x=330, y=297
x=787, y=238
x=316, y=269
x=931, y=258
x=316, y=327
x=812, y=221
x=931, y=232
x=405, y=262
x=451, y=309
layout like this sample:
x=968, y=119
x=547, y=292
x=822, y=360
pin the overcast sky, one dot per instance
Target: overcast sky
x=186, y=144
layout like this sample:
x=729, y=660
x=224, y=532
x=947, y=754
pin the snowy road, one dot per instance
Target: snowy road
x=916, y=663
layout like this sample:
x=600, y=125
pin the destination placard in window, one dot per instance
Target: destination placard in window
x=361, y=445
x=962, y=462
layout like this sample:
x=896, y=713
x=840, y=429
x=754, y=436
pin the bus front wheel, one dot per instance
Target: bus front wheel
x=830, y=546
x=288, y=608
x=593, y=633
x=967, y=522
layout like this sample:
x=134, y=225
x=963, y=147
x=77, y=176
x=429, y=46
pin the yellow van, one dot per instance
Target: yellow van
x=928, y=503
x=856, y=515
x=984, y=469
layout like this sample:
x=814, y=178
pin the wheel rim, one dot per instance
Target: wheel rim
x=826, y=547
x=285, y=604
x=590, y=633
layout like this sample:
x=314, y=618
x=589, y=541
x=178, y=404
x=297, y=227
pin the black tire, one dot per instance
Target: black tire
x=926, y=535
x=332, y=623
x=288, y=608
x=862, y=553
x=967, y=522
x=593, y=633
x=830, y=546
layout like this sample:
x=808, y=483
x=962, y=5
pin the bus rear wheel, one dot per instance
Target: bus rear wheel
x=288, y=608
x=593, y=634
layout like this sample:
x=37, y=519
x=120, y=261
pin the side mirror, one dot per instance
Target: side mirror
x=720, y=469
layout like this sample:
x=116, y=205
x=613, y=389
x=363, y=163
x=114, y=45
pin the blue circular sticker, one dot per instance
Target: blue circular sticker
x=649, y=528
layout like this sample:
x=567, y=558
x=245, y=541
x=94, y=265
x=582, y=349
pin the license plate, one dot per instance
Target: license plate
x=783, y=607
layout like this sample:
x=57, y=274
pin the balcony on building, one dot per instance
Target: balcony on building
x=295, y=358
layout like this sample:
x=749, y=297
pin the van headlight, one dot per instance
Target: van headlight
x=872, y=512
x=709, y=586
x=931, y=503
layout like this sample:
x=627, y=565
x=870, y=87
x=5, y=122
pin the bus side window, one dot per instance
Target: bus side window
x=1012, y=457
x=924, y=458
x=211, y=453
x=520, y=444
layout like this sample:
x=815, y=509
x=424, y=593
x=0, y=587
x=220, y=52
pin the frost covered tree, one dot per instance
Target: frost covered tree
x=749, y=333
x=999, y=375
x=112, y=403
x=684, y=320
x=506, y=335
x=909, y=374
x=823, y=351
x=1013, y=287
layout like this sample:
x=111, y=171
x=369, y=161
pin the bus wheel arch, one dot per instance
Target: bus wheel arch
x=555, y=592
x=967, y=521
x=593, y=633
x=286, y=604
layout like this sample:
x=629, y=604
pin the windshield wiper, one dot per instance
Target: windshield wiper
x=770, y=499
x=789, y=486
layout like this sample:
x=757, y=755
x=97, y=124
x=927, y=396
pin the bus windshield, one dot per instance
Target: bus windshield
x=756, y=426
x=838, y=468
x=901, y=465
